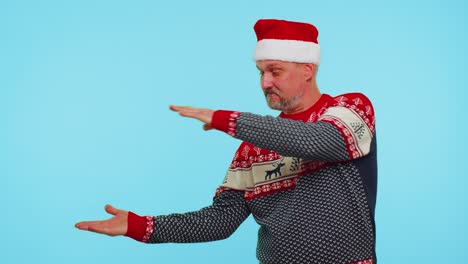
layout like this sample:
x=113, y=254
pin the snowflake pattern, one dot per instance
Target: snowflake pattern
x=149, y=228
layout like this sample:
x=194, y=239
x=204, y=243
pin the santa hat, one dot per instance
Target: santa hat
x=286, y=41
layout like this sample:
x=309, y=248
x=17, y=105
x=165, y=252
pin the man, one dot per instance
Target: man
x=308, y=177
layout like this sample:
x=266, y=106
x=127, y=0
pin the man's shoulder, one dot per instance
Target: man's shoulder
x=352, y=98
x=356, y=103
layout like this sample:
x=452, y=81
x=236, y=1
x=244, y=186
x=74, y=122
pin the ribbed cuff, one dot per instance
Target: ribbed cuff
x=139, y=228
x=225, y=121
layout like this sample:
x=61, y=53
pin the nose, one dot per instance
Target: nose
x=266, y=82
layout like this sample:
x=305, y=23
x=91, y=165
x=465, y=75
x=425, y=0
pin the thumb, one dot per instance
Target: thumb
x=111, y=210
x=207, y=127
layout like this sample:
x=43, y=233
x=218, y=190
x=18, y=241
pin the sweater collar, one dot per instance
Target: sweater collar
x=304, y=115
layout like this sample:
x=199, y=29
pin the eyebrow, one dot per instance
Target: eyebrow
x=273, y=65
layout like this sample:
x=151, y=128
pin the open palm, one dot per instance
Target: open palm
x=114, y=226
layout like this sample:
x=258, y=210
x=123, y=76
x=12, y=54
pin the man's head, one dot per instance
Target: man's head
x=287, y=55
x=285, y=84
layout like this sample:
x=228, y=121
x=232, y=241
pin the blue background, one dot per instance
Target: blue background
x=84, y=94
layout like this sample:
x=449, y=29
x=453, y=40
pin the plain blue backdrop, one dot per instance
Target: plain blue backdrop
x=84, y=94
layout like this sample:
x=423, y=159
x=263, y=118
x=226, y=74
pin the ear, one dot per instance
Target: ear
x=309, y=71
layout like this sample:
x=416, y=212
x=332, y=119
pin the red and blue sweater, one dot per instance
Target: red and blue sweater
x=309, y=180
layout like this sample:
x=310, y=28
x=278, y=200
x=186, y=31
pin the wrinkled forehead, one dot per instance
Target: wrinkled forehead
x=265, y=64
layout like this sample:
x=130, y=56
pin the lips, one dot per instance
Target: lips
x=270, y=92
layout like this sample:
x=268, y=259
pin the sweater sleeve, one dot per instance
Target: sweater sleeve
x=343, y=132
x=214, y=222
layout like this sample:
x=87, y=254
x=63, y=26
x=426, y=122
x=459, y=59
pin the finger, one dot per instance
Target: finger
x=85, y=225
x=207, y=127
x=186, y=113
x=197, y=115
x=81, y=226
x=189, y=109
x=173, y=107
x=111, y=210
x=178, y=108
x=101, y=229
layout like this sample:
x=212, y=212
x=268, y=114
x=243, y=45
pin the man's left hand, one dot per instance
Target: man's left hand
x=202, y=114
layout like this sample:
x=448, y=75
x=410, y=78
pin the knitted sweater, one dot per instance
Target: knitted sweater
x=309, y=180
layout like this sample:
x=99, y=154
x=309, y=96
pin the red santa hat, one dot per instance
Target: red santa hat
x=286, y=41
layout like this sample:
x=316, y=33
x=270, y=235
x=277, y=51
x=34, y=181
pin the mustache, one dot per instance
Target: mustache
x=272, y=91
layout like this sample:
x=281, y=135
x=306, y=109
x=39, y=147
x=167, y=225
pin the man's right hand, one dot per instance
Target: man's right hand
x=115, y=226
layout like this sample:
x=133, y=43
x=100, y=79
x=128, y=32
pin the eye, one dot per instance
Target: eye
x=275, y=73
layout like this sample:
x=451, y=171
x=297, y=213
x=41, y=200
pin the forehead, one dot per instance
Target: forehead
x=266, y=64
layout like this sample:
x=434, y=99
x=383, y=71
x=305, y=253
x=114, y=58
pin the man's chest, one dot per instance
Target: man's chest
x=260, y=172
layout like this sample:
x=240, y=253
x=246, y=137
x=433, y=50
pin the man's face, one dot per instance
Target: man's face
x=283, y=84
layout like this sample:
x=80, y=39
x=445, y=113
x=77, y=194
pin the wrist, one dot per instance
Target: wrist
x=139, y=228
x=225, y=121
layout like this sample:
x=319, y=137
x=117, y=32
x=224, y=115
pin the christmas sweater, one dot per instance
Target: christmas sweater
x=309, y=180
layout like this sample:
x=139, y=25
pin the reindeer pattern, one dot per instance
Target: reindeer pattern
x=276, y=170
x=261, y=172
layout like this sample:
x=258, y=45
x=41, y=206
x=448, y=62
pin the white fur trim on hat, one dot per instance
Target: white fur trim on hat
x=287, y=50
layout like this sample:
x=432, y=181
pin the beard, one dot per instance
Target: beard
x=283, y=104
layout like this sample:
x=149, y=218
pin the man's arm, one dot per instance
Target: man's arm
x=214, y=222
x=317, y=141
x=343, y=132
